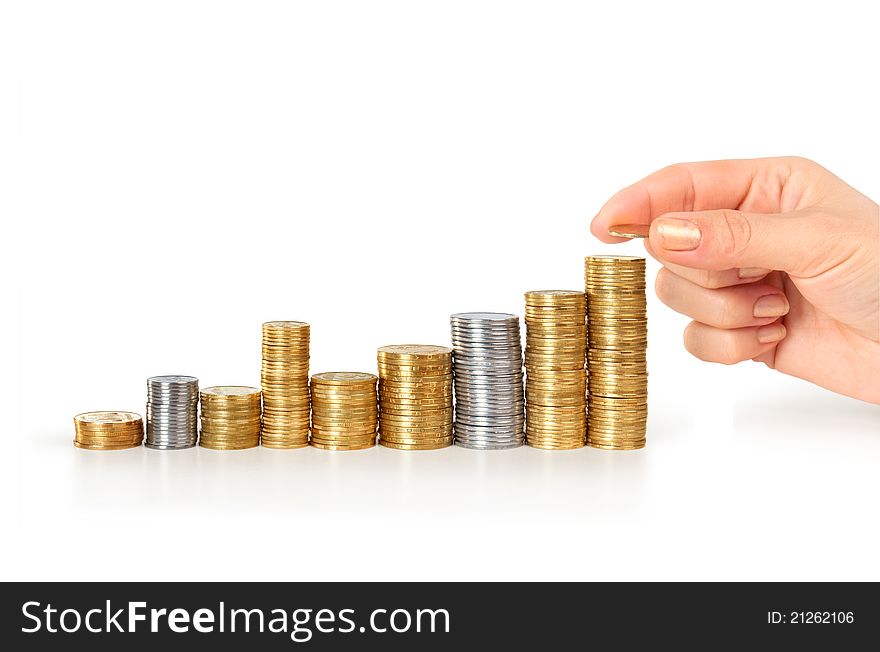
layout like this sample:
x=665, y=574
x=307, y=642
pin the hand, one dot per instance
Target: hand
x=776, y=260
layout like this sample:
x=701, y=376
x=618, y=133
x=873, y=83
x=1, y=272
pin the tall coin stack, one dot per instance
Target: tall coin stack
x=108, y=430
x=230, y=417
x=172, y=412
x=285, y=384
x=616, y=359
x=345, y=412
x=556, y=378
x=487, y=363
x=415, y=396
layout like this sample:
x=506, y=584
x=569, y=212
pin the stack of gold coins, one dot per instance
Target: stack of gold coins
x=616, y=358
x=415, y=396
x=230, y=417
x=108, y=430
x=285, y=384
x=556, y=380
x=345, y=410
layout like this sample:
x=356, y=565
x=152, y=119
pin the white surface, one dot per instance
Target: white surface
x=173, y=174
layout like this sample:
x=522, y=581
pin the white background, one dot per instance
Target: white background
x=175, y=173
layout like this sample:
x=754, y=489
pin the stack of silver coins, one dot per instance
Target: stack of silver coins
x=172, y=412
x=488, y=376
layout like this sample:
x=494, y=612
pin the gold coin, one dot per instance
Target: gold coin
x=444, y=443
x=108, y=430
x=342, y=447
x=419, y=351
x=630, y=230
x=344, y=378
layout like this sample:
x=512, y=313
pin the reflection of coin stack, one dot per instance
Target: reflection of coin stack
x=487, y=363
x=556, y=381
x=345, y=411
x=172, y=412
x=285, y=383
x=415, y=396
x=230, y=417
x=616, y=358
x=108, y=431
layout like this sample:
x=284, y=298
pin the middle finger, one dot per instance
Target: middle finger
x=711, y=278
x=752, y=304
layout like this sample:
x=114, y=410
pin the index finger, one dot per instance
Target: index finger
x=709, y=185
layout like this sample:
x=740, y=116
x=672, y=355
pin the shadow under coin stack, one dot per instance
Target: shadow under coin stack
x=285, y=382
x=617, y=327
x=487, y=363
x=345, y=412
x=556, y=379
x=230, y=417
x=415, y=396
x=108, y=430
x=172, y=412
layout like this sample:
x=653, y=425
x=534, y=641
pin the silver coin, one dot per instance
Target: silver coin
x=495, y=394
x=476, y=338
x=494, y=428
x=173, y=379
x=494, y=355
x=487, y=376
x=486, y=418
x=172, y=412
x=498, y=432
x=474, y=424
x=488, y=391
x=491, y=330
x=487, y=365
x=478, y=406
x=466, y=398
x=494, y=447
x=486, y=316
x=463, y=362
x=507, y=438
x=499, y=390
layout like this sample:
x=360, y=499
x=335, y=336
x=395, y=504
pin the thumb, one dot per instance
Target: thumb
x=727, y=239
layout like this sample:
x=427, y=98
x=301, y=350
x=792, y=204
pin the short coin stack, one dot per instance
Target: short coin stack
x=616, y=357
x=415, y=396
x=172, y=412
x=556, y=379
x=345, y=412
x=487, y=363
x=285, y=384
x=230, y=417
x=108, y=430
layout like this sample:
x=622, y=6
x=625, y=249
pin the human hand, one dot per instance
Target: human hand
x=776, y=260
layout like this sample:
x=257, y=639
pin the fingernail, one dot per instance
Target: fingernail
x=771, y=305
x=752, y=272
x=677, y=234
x=771, y=333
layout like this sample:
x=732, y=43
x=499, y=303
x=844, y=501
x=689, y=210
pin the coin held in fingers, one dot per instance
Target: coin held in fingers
x=630, y=230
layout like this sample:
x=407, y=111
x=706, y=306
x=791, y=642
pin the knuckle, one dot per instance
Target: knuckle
x=733, y=233
x=709, y=279
x=803, y=162
x=661, y=284
x=690, y=339
x=709, y=348
x=695, y=343
x=727, y=314
x=727, y=349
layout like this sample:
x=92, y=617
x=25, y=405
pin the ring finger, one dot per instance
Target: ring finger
x=731, y=345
